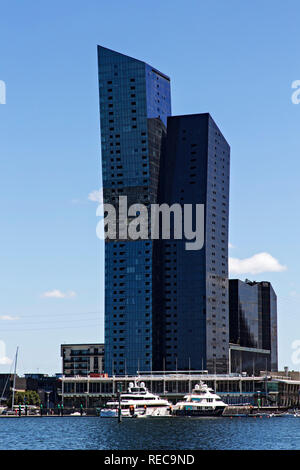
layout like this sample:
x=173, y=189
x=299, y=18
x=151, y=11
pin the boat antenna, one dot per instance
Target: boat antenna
x=14, y=383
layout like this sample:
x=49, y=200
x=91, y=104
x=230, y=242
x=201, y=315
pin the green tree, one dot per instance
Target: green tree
x=30, y=397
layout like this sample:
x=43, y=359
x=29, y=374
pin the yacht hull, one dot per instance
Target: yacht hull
x=156, y=412
x=199, y=412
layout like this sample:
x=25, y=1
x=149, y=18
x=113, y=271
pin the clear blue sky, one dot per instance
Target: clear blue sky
x=236, y=60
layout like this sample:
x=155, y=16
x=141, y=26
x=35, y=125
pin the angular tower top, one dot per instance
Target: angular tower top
x=104, y=52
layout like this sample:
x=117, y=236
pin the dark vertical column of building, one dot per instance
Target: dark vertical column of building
x=234, y=312
x=249, y=315
x=273, y=329
x=217, y=220
x=134, y=105
x=244, y=324
x=194, y=319
x=268, y=307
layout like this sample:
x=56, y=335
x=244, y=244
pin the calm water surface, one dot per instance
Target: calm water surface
x=150, y=434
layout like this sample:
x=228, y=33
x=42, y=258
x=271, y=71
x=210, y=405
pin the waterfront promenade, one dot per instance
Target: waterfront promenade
x=271, y=389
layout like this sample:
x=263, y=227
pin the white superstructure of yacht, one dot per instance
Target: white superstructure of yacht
x=201, y=402
x=137, y=402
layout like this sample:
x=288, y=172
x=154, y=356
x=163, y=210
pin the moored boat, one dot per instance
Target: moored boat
x=137, y=402
x=201, y=402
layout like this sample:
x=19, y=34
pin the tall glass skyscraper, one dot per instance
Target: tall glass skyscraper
x=193, y=322
x=166, y=307
x=134, y=105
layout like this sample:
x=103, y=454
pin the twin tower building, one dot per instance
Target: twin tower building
x=166, y=306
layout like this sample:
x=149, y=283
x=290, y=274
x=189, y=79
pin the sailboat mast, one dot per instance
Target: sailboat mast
x=14, y=383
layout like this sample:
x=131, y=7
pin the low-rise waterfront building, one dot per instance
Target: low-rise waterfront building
x=5, y=383
x=235, y=389
x=82, y=359
x=46, y=386
x=278, y=389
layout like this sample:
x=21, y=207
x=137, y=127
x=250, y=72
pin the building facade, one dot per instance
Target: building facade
x=82, y=359
x=193, y=318
x=166, y=307
x=5, y=386
x=134, y=105
x=234, y=389
x=253, y=326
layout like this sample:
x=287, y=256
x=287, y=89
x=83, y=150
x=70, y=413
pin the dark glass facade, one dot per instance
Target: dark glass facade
x=193, y=313
x=134, y=105
x=252, y=326
x=166, y=307
x=244, y=321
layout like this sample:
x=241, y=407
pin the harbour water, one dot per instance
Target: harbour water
x=87, y=433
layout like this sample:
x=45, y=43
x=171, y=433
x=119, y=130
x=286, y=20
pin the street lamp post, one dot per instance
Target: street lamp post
x=48, y=400
x=86, y=400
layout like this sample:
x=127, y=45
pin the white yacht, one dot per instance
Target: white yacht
x=137, y=402
x=201, y=402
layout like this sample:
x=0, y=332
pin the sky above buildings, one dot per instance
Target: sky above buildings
x=236, y=60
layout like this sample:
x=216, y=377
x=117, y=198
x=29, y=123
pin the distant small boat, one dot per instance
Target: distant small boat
x=276, y=415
